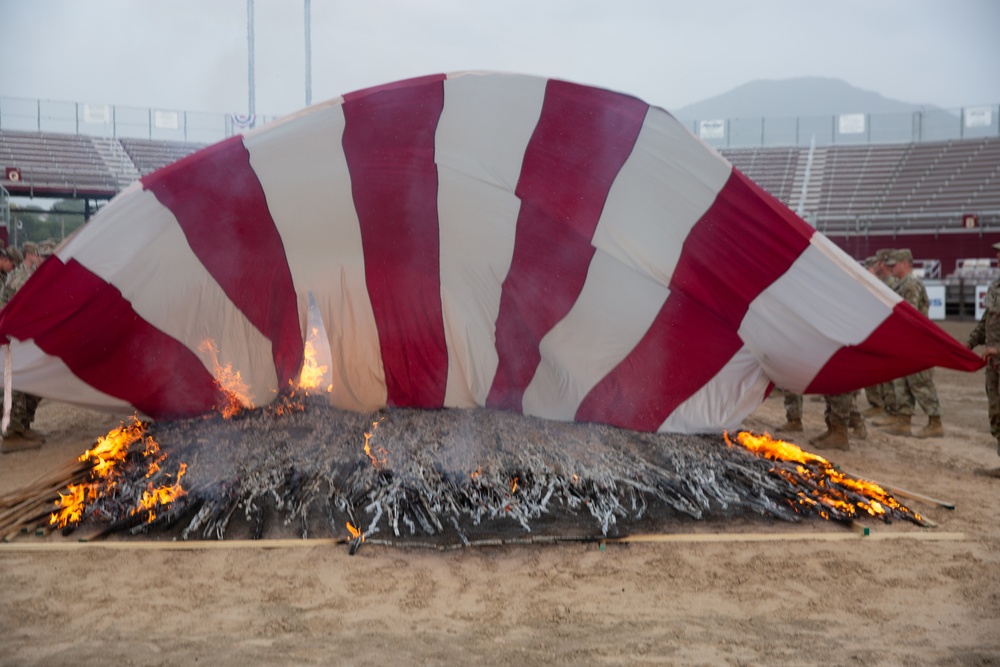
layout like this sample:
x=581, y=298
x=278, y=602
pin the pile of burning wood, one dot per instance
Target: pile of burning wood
x=442, y=477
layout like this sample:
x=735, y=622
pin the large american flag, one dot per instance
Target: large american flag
x=470, y=239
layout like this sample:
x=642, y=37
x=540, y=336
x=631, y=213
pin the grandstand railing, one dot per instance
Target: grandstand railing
x=111, y=120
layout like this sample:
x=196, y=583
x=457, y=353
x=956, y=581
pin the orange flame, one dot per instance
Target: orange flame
x=106, y=458
x=355, y=533
x=160, y=496
x=368, y=446
x=312, y=372
x=819, y=479
x=235, y=392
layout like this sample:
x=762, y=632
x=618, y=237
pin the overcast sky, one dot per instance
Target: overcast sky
x=192, y=54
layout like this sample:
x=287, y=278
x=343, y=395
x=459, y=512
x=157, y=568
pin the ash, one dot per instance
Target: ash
x=456, y=476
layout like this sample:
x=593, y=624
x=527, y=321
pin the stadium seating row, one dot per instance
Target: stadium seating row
x=876, y=188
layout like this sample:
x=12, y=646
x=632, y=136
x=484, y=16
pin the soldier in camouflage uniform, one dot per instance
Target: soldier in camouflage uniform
x=841, y=412
x=884, y=403
x=793, y=413
x=918, y=387
x=19, y=435
x=987, y=332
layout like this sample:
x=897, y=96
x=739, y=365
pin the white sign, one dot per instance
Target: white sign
x=852, y=123
x=166, y=120
x=96, y=113
x=935, y=294
x=712, y=129
x=981, y=300
x=979, y=117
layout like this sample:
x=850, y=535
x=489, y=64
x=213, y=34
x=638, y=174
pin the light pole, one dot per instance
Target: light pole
x=250, y=76
x=307, y=10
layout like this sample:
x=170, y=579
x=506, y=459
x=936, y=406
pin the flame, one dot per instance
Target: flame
x=376, y=462
x=312, y=372
x=821, y=485
x=160, y=496
x=107, y=458
x=355, y=533
x=513, y=484
x=235, y=392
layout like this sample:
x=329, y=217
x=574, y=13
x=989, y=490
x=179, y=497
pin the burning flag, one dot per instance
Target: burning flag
x=470, y=240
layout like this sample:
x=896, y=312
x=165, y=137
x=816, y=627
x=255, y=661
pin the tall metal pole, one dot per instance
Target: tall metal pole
x=308, y=24
x=252, y=110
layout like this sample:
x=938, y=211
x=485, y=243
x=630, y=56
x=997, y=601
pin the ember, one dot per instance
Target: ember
x=456, y=476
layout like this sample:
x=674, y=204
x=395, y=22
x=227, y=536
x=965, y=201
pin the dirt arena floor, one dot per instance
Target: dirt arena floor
x=746, y=592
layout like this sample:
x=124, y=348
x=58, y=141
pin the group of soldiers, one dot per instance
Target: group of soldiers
x=891, y=403
x=16, y=266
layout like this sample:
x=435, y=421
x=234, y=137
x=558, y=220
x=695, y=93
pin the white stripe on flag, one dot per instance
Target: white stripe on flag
x=303, y=171
x=820, y=310
x=482, y=135
x=44, y=375
x=663, y=189
x=613, y=312
x=723, y=402
x=151, y=263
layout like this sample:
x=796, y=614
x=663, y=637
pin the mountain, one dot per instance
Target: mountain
x=803, y=96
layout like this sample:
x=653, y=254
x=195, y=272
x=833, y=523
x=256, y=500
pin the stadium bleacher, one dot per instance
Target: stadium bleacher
x=862, y=197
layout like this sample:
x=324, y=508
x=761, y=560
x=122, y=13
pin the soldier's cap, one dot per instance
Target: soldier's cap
x=14, y=254
x=883, y=254
x=29, y=248
x=870, y=261
x=901, y=255
x=996, y=246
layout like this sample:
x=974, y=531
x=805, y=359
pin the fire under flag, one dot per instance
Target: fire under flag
x=470, y=240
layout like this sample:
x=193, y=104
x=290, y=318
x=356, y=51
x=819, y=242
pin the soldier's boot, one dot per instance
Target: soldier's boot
x=834, y=438
x=858, y=428
x=875, y=411
x=888, y=420
x=16, y=442
x=934, y=429
x=32, y=434
x=791, y=426
x=901, y=427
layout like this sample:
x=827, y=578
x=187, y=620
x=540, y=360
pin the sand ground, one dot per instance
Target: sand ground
x=905, y=595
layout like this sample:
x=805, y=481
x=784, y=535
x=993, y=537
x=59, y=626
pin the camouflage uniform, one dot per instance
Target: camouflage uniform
x=883, y=395
x=793, y=406
x=919, y=387
x=987, y=332
x=23, y=405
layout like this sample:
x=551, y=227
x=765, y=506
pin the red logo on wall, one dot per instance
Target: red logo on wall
x=13, y=174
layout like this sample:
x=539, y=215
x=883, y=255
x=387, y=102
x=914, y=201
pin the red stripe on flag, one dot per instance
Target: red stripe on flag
x=389, y=145
x=220, y=205
x=913, y=342
x=569, y=166
x=106, y=344
x=743, y=243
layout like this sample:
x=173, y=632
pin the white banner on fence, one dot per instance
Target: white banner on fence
x=935, y=295
x=96, y=113
x=979, y=116
x=851, y=123
x=166, y=120
x=981, y=301
x=712, y=129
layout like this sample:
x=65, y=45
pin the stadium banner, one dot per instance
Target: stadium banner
x=935, y=297
x=712, y=129
x=979, y=116
x=167, y=120
x=981, y=301
x=851, y=123
x=96, y=113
